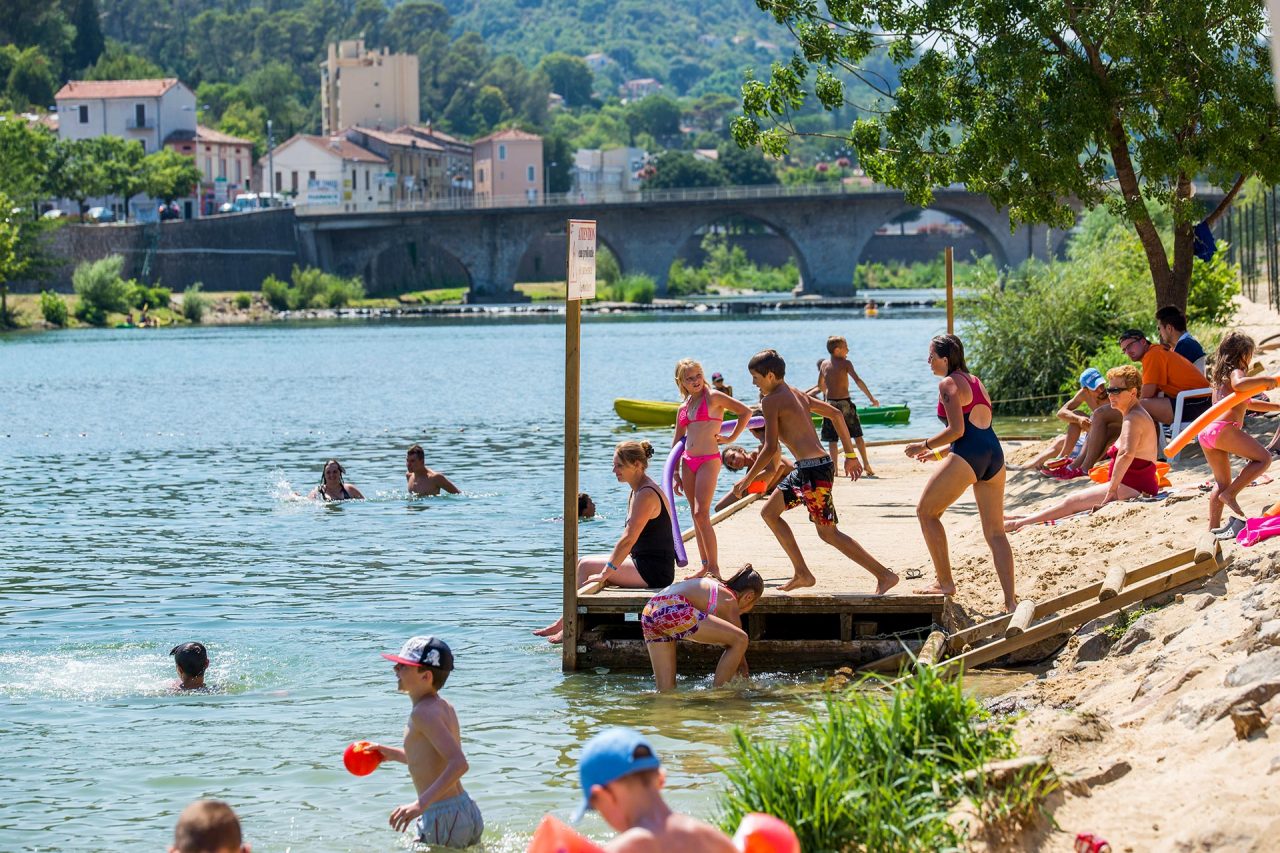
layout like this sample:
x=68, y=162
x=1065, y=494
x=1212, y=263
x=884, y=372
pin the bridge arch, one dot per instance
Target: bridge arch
x=982, y=229
x=409, y=260
x=544, y=255
x=762, y=254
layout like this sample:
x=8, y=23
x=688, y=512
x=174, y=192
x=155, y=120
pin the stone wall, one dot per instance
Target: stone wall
x=231, y=252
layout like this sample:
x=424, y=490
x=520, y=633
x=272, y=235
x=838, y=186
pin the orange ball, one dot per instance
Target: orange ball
x=361, y=758
x=763, y=833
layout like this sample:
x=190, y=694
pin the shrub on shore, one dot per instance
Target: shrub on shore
x=728, y=266
x=244, y=301
x=53, y=308
x=101, y=289
x=882, y=773
x=141, y=296
x=194, y=303
x=311, y=288
x=638, y=289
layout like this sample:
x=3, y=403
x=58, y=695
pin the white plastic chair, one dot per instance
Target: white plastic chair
x=1168, y=431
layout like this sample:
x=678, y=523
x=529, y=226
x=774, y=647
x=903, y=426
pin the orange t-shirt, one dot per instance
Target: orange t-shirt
x=1170, y=372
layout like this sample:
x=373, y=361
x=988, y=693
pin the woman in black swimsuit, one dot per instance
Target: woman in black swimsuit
x=332, y=487
x=970, y=455
x=645, y=556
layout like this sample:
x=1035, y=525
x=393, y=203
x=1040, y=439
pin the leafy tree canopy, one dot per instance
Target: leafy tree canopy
x=1037, y=104
x=676, y=169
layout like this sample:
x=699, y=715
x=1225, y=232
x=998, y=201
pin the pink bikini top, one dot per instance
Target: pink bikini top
x=702, y=414
x=979, y=398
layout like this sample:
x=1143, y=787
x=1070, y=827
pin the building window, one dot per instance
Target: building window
x=502, y=152
x=279, y=181
x=84, y=113
x=311, y=176
x=222, y=167
x=530, y=174
x=208, y=167
x=293, y=182
x=239, y=172
x=140, y=115
x=480, y=175
x=366, y=179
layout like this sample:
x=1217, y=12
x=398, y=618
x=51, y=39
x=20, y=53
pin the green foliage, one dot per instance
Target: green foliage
x=607, y=271
x=32, y=80
x=100, y=289
x=680, y=169
x=570, y=77
x=244, y=301
x=745, y=166
x=1014, y=102
x=1214, y=286
x=168, y=175
x=117, y=63
x=121, y=162
x=876, y=772
x=311, y=288
x=141, y=296
x=79, y=172
x=896, y=275
x=53, y=308
x=638, y=289
x=726, y=266
x=88, y=43
x=194, y=303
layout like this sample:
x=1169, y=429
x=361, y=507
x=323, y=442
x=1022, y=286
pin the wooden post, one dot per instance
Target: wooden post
x=1114, y=582
x=1022, y=616
x=1206, y=547
x=572, y=340
x=949, y=262
x=932, y=648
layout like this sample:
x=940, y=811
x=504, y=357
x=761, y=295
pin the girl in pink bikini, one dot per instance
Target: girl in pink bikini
x=698, y=424
x=1226, y=437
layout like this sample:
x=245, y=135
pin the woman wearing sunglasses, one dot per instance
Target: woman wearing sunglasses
x=1133, y=457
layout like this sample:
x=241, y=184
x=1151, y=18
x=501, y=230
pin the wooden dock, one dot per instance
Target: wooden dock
x=837, y=622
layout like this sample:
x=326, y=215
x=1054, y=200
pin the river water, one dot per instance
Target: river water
x=147, y=501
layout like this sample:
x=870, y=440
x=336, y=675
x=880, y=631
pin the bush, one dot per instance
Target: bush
x=276, y=292
x=194, y=303
x=101, y=289
x=880, y=772
x=244, y=301
x=141, y=296
x=638, y=289
x=607, y=270
x=53, y=308
x=340, y=292
x=1214, y=287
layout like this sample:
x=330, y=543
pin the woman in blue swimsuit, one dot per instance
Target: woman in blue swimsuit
x=974, y=458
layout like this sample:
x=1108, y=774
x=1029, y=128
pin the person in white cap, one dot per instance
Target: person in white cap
x=443, y=814
x=622, y=779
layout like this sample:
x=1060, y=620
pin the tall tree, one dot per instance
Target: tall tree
x=411, y=24
x=1037, y=104
x=117, y=63
x=31, y=80
x=676, y=169
x=168, y=175
x=88, y=43
x=78, y=172
x=570, y=78
x=27, y=161
x=121, y=163
x=557, y=163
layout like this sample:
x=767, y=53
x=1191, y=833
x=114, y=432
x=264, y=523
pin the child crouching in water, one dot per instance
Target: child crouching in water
x=445, y=814
x=1226, y=437
x=622, y=779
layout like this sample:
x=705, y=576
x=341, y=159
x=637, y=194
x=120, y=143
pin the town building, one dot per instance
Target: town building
x=148, y=111
x=600, y=175
x=639, y=88
x=597, y=62
x=509, y=165
x=225, y=163
x=416, y=166
x=328, y=171
x=459, y=161
x=367, y=88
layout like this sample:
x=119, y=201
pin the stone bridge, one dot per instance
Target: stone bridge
x=826, y=229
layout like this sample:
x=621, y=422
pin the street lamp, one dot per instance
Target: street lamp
x=546, y=180
x=271, y=161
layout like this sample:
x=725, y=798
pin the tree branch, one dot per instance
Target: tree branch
x=1225, y=204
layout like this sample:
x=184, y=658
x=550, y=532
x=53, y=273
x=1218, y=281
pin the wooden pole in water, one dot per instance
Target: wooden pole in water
x=572, y=341
x=948, y=257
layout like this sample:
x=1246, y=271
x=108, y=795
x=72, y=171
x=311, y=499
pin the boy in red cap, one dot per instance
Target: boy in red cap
x=445, y=814
x=622, y=779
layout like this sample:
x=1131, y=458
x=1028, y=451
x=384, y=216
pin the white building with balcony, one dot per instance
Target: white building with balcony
x=604, y=175
x=149, y=111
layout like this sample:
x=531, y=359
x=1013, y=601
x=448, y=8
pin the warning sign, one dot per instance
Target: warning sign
x=582, y=259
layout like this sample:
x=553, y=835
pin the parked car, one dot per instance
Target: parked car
x=54, y=213
x=168, y=212
x=227, y=207
x=259, y=201
x=100, y=215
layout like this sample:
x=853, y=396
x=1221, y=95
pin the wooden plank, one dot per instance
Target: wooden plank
x=569, y=591
x=1206, y=546
x=630, y=654
x=994, y=626
x=932, y=648
x=846, y=626
x=729, y=511
x=1021, y=619
x=1114, y=582
x=1133, y=593
x=783, y=602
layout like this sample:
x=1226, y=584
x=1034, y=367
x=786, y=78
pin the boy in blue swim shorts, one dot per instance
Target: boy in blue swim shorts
x=443, y=814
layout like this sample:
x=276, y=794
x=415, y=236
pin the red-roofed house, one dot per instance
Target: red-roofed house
x=509, y=165
x=149, y=111
x=416, y=170
x=459, y=161
x=328, y=171
x=225, y=163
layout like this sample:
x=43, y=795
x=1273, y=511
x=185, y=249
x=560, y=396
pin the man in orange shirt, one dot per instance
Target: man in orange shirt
x=1164, y=372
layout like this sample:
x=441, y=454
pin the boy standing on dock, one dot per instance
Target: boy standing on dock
x=786, y=419
x=834, y=374
x=446, y=815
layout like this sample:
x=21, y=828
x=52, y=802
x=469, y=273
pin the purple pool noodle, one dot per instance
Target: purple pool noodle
x=668, y=488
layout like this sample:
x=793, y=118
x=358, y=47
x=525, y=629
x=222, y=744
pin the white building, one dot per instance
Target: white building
x=600, y=175
x=149, y=111
x=328, y=171
x=374, y=89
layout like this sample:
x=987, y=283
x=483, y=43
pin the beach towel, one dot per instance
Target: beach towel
x=1258, y=529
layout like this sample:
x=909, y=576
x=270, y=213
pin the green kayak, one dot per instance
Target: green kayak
x=655, y=413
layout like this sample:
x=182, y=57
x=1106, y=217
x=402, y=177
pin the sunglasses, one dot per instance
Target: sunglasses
x=1113, y=391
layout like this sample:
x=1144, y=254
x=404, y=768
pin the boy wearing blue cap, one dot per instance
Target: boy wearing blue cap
x=1068, y=450
x=622, y=779
x=445, y=814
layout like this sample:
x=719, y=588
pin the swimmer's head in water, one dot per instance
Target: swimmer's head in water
x=208, y=826
x=332, y=468
x=586, y=506
x=836, y=342
x=688, y=376
x=191, y=658
x=416, y=451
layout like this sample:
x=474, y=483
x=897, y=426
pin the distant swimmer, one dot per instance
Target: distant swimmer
x=717, y=382
x=586, y=506
x=191, y=660
x=208, y=826
x=332, y=485
x=443, y=814
x=423, y=480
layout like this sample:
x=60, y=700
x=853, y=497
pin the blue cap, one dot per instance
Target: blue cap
x=609, y=756
x=1091, y=379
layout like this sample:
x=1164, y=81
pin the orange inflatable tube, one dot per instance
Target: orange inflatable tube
x=1215, y=411
x=552, y=836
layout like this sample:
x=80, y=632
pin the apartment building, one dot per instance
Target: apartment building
x=372, y=89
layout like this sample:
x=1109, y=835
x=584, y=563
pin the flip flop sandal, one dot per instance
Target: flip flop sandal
x=913, y=574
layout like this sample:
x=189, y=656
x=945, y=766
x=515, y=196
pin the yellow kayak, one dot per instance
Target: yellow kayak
x=657, y=413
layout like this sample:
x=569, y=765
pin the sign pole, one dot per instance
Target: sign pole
x=949, y=261
x=580, y=283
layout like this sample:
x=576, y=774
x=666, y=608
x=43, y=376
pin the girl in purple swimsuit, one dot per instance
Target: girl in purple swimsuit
x=698, y=425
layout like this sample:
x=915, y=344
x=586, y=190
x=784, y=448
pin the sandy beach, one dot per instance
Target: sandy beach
x=1138, y=726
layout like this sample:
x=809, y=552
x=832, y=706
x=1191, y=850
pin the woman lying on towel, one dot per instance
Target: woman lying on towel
x=1133, y=458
